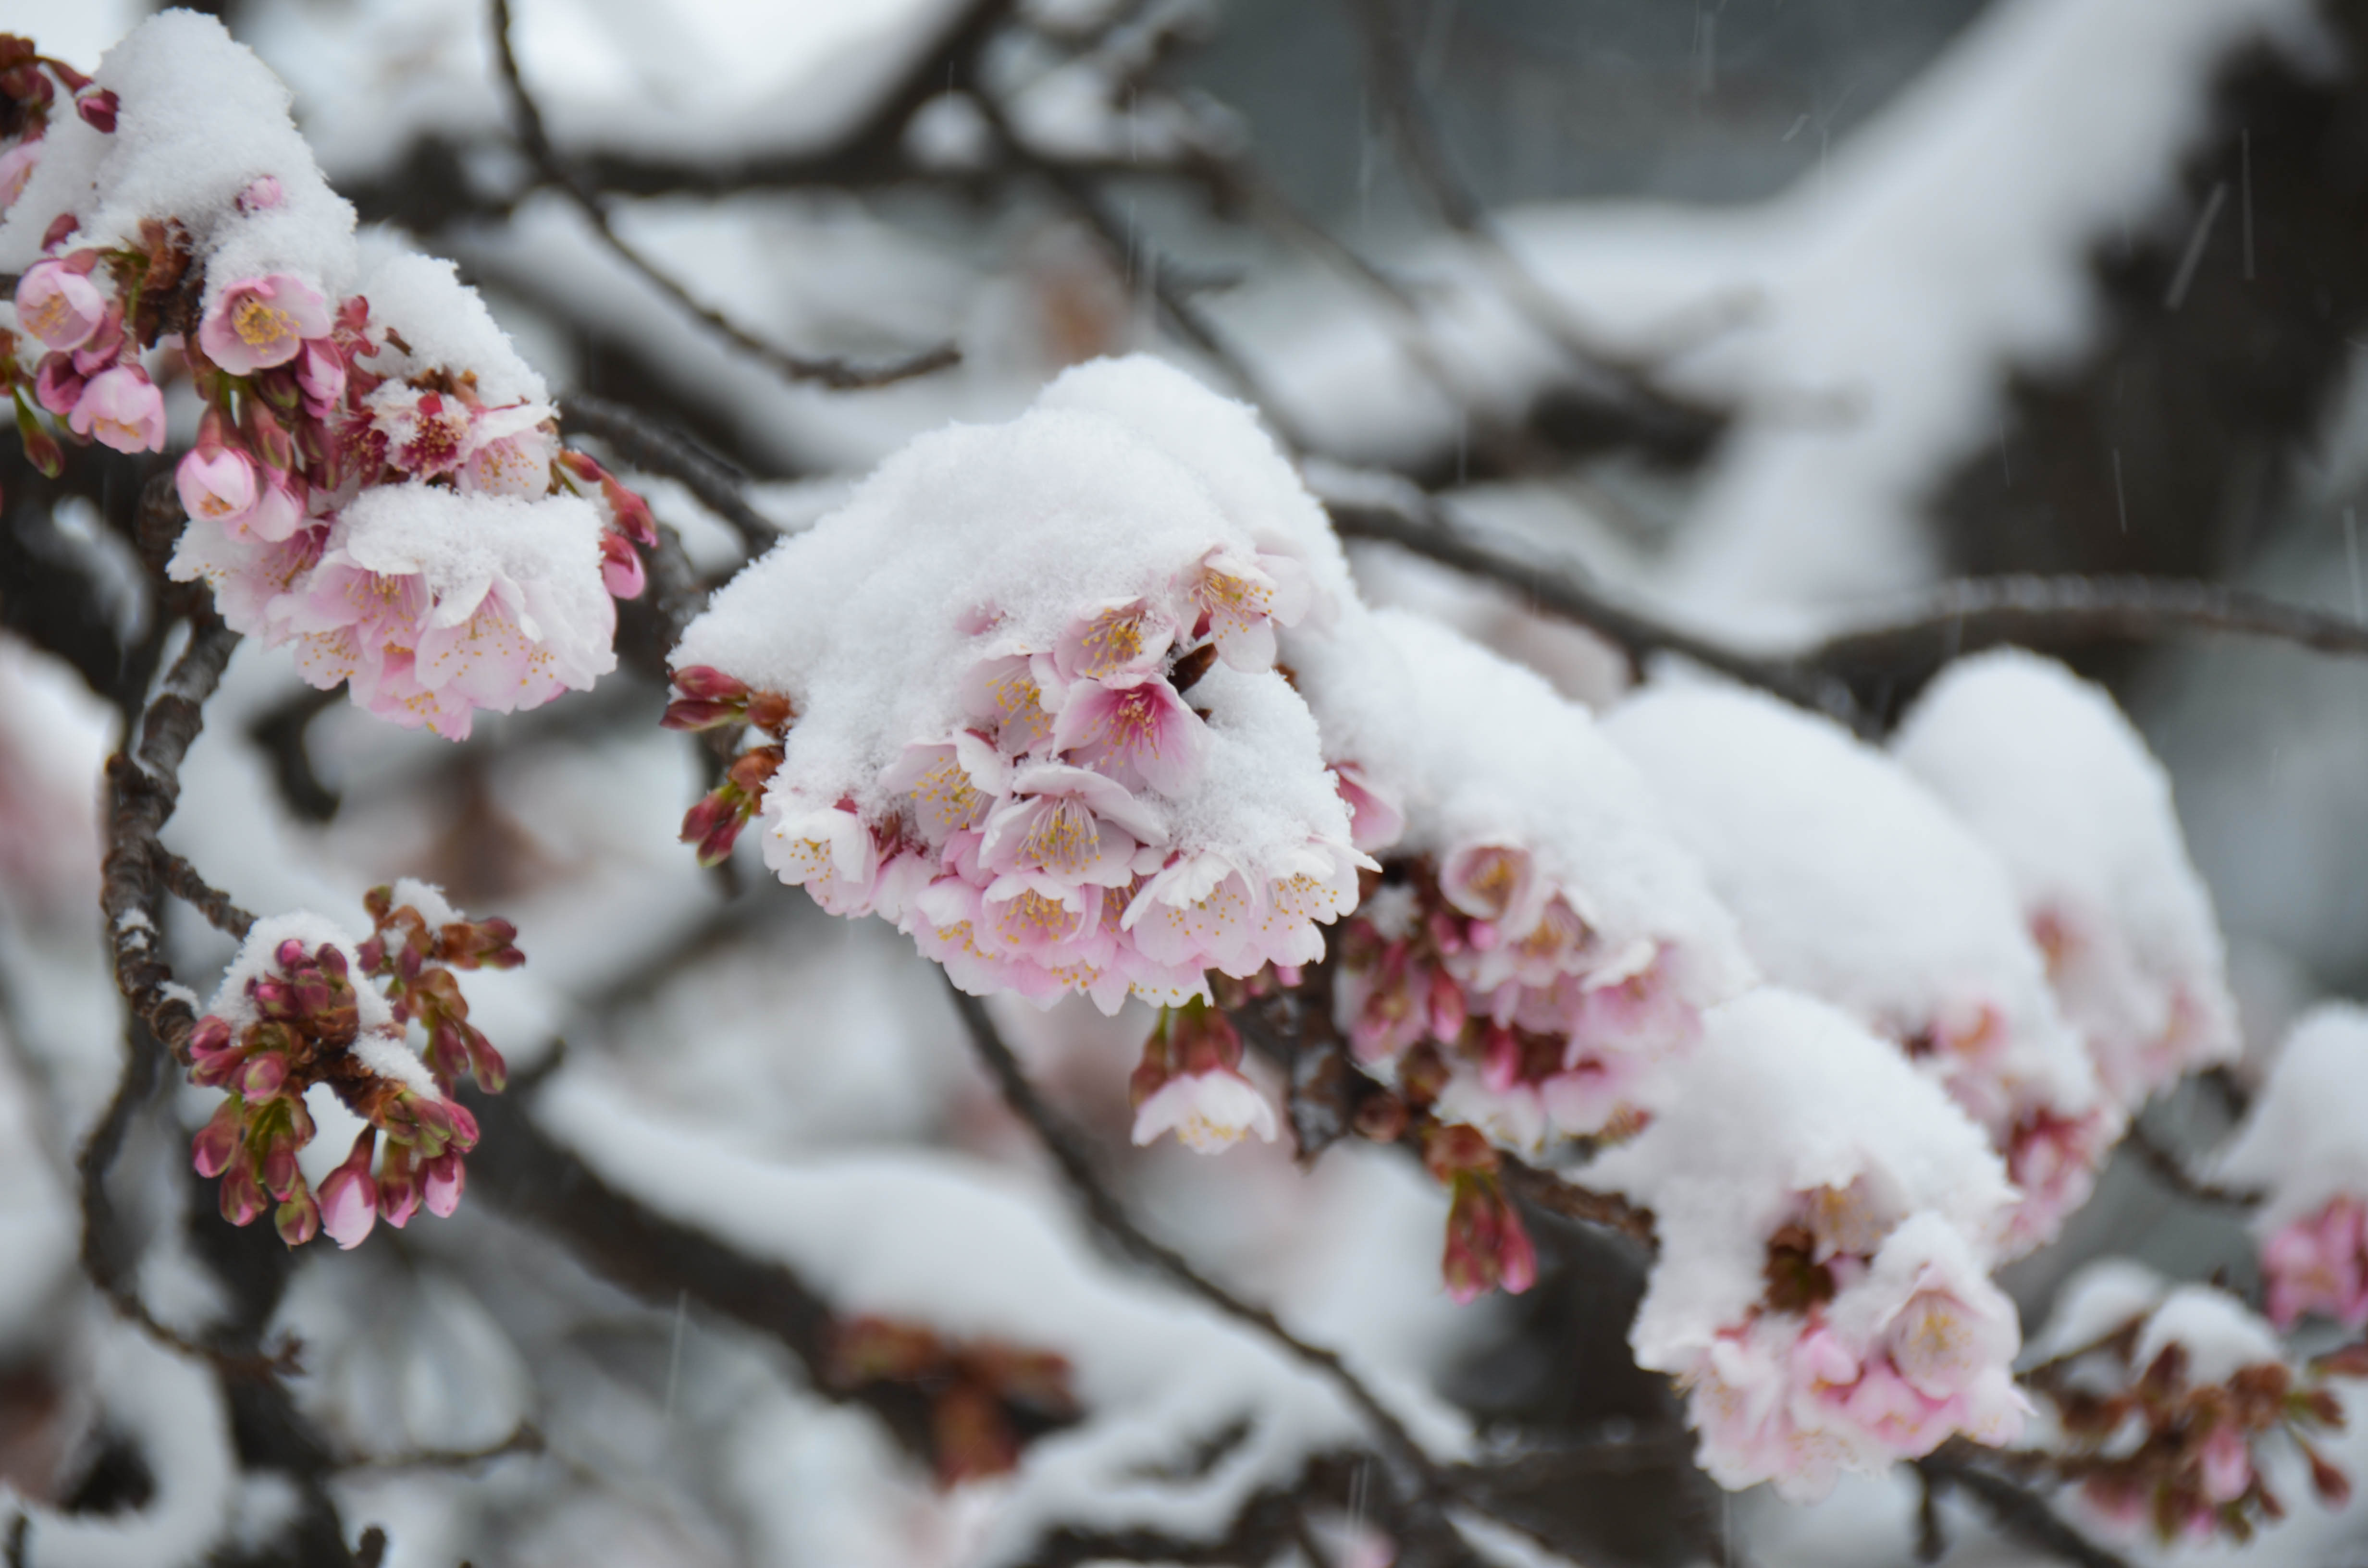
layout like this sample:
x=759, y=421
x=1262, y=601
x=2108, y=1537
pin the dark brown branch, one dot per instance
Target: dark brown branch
x=2019, y=1512
x=1418, y=1473
x=655, y=449
x=1425, y=528
x=838, y=374
x=1546, y=1191
x=181, y=880
x=2065, y=612
x=2170, y=1168
x=518, y=1168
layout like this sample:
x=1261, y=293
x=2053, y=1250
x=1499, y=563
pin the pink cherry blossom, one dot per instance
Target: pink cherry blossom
x=509, y=452
x=321, y=377
x=1207, y=1111
x=1139, y=734
x=2317, y=1264
x=1239, y=603
x=58, y=305
x=2227, y=1466
x=1495, y=882
x=952, y=784
x=1002, y=696
x=219, y=486
x=1124, y=639
x=1064, y=826
x=57, y=385
x=1375, y=819
x=122, y=409
x=257, y=323
x=827, y=851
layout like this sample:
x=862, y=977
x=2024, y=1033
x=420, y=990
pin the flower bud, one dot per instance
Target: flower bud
x=241, y=1200
x=217, y=1142
x=98, y=109
x=299, y=1218
x=441, y=1182
x=264, y=1074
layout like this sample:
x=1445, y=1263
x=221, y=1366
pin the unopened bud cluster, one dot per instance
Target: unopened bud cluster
x=975, y=1388
x=297, y=1011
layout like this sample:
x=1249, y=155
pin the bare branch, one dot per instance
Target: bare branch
x=1552, y=1193
x=181, y=880
x=1418, y=1473
x=838, y=374
x=2019, y=1512
x=656, y=449
x=525, y=1439
x=2170, y=1168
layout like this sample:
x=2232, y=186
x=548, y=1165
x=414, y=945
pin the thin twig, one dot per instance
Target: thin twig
x=2019, y=1512
x=1069, y=1153
x=1548, y=1191
x=657, y=448
x=2056, y=612
x=2171, y=1170
x=1416, y=522
x=181, y=880
x=526, y=1438
x=838, y=374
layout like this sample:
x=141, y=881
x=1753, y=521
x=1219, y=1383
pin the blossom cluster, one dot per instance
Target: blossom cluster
x=2050, y=774
x=347, y=497
x=1048, y=741
x=1030, y=849
x=1190, y=1083
x=1537, y=941
x=1854, y=882
x=2303, y=1146
x=302, y=1005
x=376, y=477
x=2164, y=1409
x=1827, y=1221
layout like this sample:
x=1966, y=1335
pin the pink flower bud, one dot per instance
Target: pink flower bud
x=320, y=376
x=60, y=229
x=57, y=384
x=211, y=1150
x=98, y=109
x=264, y=1075
x=289, y=953
x=59, y=306
x=122, y=409
x=257, y=323
x=620, y=567
x=709, y=684
x=260, y=194
x=241, y=1200
x=218, y=489
x=299, y=1218
x=348, y=1196
x=442, y=1181
x=398, y=1189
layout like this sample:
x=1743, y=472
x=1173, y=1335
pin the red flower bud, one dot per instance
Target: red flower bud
x=706, y=682
x=64, y=224
x=217, y=1142
x=299, y=1219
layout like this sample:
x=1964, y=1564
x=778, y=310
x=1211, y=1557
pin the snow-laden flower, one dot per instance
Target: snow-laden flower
x=321, y=377
x=1376, y=820
x=261, y=195
x=827, y=851
x=1494, y=882
x=1239, y=602
x=59, y=305
x=510, y=451
x=1124, y=640
x=16, y=166
x=1001, y=695
x=122, y=409
x=261, y=321
x=2319, y=1264
x=1141, y=735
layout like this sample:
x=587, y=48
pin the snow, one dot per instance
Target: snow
x=1852, y=883
x=201, y=119
x=259, y=958
x=1861, y=321
x=1783, y=1096
x=1479, y=751
x=2305, y=1139
x=2046, y=771
x=173, y=1410
x=2219, y=1334
x=965, y=1248
x=446, y=326
x=2099, y=1300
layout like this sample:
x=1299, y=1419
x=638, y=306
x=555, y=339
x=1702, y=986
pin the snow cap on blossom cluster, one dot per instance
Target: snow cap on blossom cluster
x=1033, y=712
x=2304, y=1145
x=2046, y=771
x=1826, y=1219
x=376, y=473
x=1852, y=883
x=1540, y=920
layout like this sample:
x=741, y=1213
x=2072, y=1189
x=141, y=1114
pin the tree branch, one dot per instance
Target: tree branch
x=2019, y=1512
x=1418, y=1474
x=836, y=374
x=656, y=449
x=181, y=880
x=2170, y=1168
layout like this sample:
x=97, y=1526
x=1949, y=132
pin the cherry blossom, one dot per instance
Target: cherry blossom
x=256, y=323
x=121, y=408
x=59, y=305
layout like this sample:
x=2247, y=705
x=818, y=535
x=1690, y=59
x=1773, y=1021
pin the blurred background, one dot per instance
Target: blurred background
x=1770, y=313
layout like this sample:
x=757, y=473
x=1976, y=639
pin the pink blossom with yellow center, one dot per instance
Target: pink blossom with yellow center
x=257, y=323
x=58, y=305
